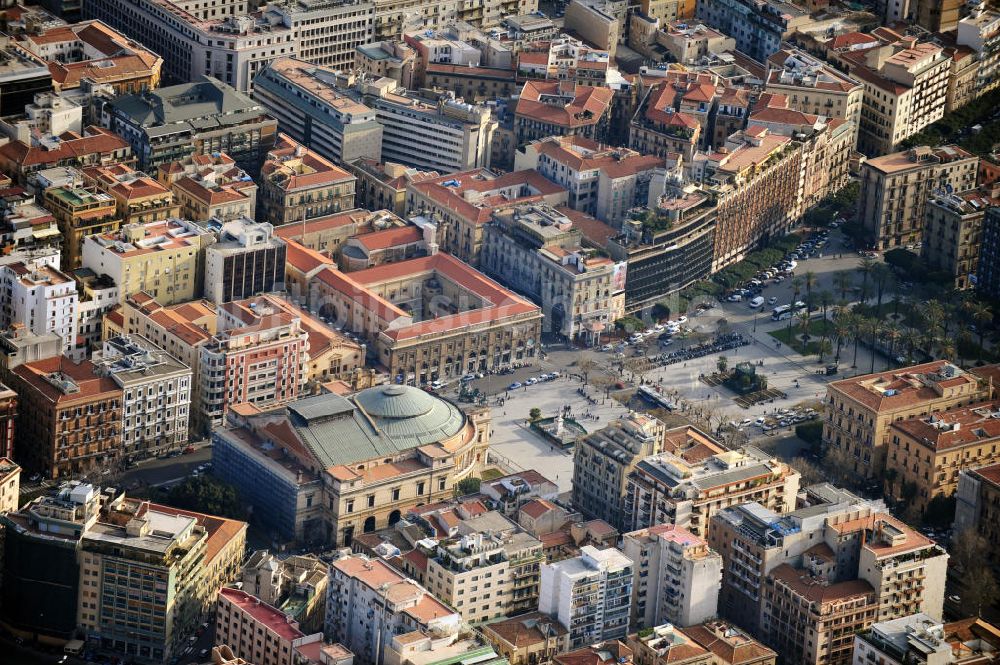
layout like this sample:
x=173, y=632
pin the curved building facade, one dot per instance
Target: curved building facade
x=325, y=468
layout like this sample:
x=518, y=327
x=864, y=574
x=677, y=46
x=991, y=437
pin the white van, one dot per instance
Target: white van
x=757, y=302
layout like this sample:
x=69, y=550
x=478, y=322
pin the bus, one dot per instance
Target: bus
x=781, y=312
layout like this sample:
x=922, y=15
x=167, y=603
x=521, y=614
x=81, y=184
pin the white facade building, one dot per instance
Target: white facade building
x=677, y=577
x=591, y=594
x=224, y=40
x=41, y=297
x=157, y=394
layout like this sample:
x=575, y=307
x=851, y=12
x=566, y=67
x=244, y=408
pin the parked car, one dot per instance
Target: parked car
x=514, y=386
x=757, y=302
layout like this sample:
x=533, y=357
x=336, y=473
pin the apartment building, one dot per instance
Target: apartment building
x=562, y=108
x=589, y=594
x=977, y=501
x=10, y=473
x=70, y=417
x=906, y=89
x=835, y=547
x=664, y=258
x=374, y=611
x=92, y=52
x=257, y=356
x=262, y=634
x=687, y=42
x=596, y=23
x=677, y=577
x=756, y=176
x=232, y=42
x=667, y=643
x=895, y=190
x=41, y=573
x=422, y=447
x=298, y=184
x=730, y=644
x=812, y=619
x=861, y=410
x=815, y=87
x=988, y=270
x=603, y=460
x=198, y=118
x=536, y=251
x=139, y=198
x=927, y=453
x=20, y=345
x=164, y=259
x=461, y=204
x=156, y=395
x=687, y=484
x=80, y=212
x=953, y=226
x=174, y=560
x=759, y=28
x=527, y=638
x=980, y=31
x=312, y=108
x=95, y=147
x=210, y=187
x=247, y=259
x=437, y=133
x=391, y=59
x=295, y=585
x=600, y=180
x=22, y=75
x=382, y=186
x=41, y=298
x=920, y=639
x=490, y=570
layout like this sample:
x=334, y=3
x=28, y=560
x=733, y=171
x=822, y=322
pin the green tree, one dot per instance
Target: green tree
x=722, y=363
x=882, y=278
x=535, y=414
x=467, y=486
x=207, y=494
x=865, y=267
x=842, y=282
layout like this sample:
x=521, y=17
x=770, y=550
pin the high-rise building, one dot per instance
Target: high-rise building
x=895, y=190
x=591, y=594
x=156, y=399
x=677, y=577
x=861, y=410
x=40, y=297
x=172, y=562
x=70, y=419
x=203, y=117
x=164, y=259
x=977, y=506
x=230, y=41
x=603, y=460
x=247, y=260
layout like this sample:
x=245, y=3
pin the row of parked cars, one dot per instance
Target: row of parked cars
x=550, y=376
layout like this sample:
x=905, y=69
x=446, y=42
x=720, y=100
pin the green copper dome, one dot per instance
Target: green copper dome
x=410, y=416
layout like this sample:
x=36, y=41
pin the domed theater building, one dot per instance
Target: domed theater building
x=325, y=468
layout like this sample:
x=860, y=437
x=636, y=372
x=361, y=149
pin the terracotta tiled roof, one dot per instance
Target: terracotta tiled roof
x=84, y=374
x=528, y=186
x=730, y=644
x=587, y=107
x=816, y=591
x=220, y=530
x=394, y=237
x=96, y=141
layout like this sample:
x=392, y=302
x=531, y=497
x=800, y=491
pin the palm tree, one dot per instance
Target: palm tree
x=804, y=322
x=842, y=282
x=857, y=331
x=881, y=275
x=934, y=314
x=911, y=340
x=874, y=328
x=824, y=347
x=841, y=329
x=796, y=289
x=825, y=300
x=809, y=279
x=892, y=333
x=983, y=316
x=865, y=267
x=947, y=349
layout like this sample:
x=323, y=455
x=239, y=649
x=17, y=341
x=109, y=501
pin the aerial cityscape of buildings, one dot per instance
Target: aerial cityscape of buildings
x=555, y=332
